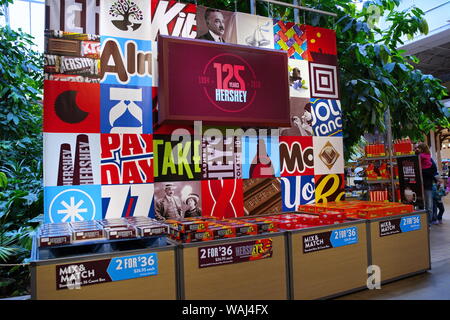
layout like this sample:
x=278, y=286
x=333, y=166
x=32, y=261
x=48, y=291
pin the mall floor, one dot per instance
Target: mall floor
x=431, y=285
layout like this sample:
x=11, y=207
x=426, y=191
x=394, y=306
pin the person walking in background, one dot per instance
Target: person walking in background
x=439, y=191
x=429, y=171
x=448, y=181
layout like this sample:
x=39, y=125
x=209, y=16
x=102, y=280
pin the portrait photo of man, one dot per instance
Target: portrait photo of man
x=177, y=200
x=169, y=205
x=215, y=25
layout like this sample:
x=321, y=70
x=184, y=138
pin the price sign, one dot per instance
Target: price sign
x=401, y=225
x=131, y=267
x=330, y=239
x=76, y=275
x=410, y=223
x=343, y=237
x=234, y=252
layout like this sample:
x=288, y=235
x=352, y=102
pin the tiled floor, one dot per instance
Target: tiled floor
x=431, y=285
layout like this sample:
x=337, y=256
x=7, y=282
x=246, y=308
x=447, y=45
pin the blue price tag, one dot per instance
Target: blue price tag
x=343, y=237
x=131, y=267
x=410, y=223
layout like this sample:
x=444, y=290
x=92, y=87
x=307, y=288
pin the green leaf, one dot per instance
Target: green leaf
x=389, y=67
x=3, y=180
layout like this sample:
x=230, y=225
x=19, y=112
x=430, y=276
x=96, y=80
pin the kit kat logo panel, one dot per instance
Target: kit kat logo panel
x=126, y=109
x=71, y=107
x=80, y=16
x=177, y=158
x=328, y=155
x=327, y=117
x=296, y=156
x=126, y=158
x=71, y=57
x=126, y=19
x=172, y=18
x=71, y=159
x=127, y=200
x=297, y=191
x=126, y=61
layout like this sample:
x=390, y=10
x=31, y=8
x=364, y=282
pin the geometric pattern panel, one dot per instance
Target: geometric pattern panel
x=324, y=82
x=291, y=37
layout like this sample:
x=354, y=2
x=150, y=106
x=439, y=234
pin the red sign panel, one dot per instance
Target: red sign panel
x=222, y=84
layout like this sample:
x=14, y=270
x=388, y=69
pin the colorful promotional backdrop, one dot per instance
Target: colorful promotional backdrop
x=105, y=158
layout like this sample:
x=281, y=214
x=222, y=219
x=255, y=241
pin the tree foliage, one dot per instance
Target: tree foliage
x=20, y=153
x=373, y=73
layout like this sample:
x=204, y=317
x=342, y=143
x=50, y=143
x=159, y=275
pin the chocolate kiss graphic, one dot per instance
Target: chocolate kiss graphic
x=66, y=108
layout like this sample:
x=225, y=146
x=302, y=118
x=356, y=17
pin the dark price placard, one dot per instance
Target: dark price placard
x=75, y=275
x=401, y=225
x=330, y=239
x=234, y=253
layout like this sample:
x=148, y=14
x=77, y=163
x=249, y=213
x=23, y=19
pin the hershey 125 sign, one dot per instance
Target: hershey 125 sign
x=221, y=83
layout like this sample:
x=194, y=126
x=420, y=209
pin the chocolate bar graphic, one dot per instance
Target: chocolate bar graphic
x=64, y=47
x=65, y=170
x=262, y=196
x=82, y=173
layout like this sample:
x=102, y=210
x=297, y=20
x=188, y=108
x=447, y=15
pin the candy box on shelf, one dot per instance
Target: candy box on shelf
x=114, y=223
x=185, y=225
x=287, y=224
x=152, y=230
x=221, y=231
x=245, y=229
x=47, y=239
x=174, y=233
x=197, y=236
x=332, y=215
x=263, y=225
x=120, y=233
x=406, y=208
x=309, y=219
x=369, y=213
x=307, y=208
x=172, y=223
x=86, y=230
